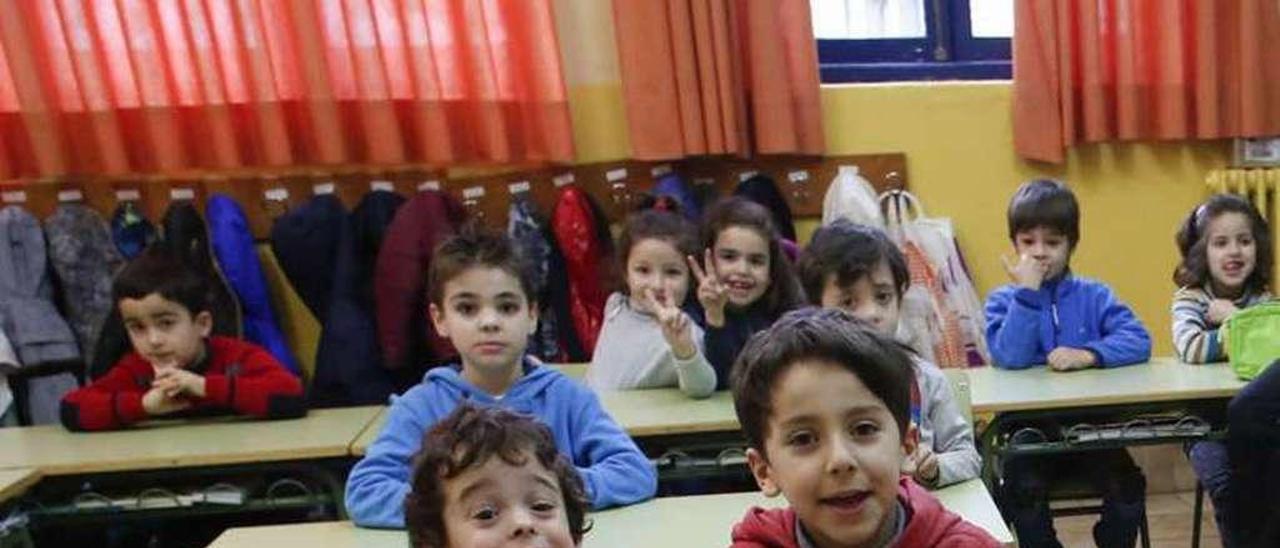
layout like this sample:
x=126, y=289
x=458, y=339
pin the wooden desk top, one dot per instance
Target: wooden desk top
x=370, y=433
x=698, y=521
x=322, y=433
x=1163, y=379
x=15, y=481
x=668, y=411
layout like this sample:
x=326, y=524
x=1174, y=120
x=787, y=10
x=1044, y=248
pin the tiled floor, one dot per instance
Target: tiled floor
x=1168, y=517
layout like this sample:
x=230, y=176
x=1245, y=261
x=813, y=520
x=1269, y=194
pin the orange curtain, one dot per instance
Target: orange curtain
x=1106, y=70
x=106, y=87
x=719, y=77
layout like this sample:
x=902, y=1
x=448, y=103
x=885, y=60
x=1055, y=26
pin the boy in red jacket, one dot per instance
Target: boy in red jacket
x=176, y=368
x=824, y=402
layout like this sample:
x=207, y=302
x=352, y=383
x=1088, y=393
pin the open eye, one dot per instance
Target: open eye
x=484, y=513
x=864, y=429
x=884, y=298
x=466, y=309
x=801, y=439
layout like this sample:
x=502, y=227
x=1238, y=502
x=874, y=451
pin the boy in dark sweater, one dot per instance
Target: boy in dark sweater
x=176, y=368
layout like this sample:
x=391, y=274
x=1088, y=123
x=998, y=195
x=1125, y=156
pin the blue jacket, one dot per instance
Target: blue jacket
x=613, y=469
x=1023, y=326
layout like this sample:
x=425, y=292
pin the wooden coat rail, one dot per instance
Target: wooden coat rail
x=617, y=186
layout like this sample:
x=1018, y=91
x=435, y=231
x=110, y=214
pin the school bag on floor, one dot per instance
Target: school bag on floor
x=1253, y=339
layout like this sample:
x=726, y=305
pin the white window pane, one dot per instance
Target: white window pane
x=991, y=18
x=864, y=19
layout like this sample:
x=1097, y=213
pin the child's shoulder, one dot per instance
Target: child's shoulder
x=1190, y=293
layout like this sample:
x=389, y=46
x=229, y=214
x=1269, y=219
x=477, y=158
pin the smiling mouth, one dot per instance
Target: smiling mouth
x=846, y=502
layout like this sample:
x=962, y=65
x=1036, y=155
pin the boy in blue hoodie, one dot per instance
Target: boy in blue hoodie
x=481, y=294
x=1047, y=315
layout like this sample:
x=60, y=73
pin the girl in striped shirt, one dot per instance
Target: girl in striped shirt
x=1226, y=266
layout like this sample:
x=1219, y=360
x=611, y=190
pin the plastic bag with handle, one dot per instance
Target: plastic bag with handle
x=851, y=197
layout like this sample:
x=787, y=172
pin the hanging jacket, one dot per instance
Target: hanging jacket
x=8, y=361
x=558, y=300
x=1024, y=325
x=409, y=342
x=304, y=240
x=525, y=226
x=673, y=185
x=85, y=261
x=326, y=261
x=184, y=235
x=130, y=230
x=36, y=330
x=349, y=367
x=762, y=190
x=577, y=225
x=237, y=256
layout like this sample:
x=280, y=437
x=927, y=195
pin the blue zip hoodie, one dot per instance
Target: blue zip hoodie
x=1024, y=325
x=613, y=469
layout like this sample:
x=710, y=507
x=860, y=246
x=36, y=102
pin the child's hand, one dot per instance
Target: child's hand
x=1065, y=358
x=1220, y=310
x=174, y=381
x=155, y=402
x=1028, y=272
x=926, y=465
x=711, y=291
x=675, y=327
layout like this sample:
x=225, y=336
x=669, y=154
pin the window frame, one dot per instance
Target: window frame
x=949, y=51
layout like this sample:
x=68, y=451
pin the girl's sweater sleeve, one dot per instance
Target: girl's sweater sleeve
x=1013, y=326
x=379, y=482
x=1124, y=339
x=958, y=458
x=111, y=402
x=696, y=376
x=1193, y=339
x=613, y=469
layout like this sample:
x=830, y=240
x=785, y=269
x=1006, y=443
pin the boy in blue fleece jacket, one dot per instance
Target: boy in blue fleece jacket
x=1047, y=315
x=481, y=297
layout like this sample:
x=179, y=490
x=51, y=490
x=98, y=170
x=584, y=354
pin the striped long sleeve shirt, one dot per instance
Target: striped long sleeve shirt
x=1195, y=338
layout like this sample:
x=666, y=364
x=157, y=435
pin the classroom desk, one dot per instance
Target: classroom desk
x=323, y=433
x=15, y=481
x=696, y=522
x=1039, y=388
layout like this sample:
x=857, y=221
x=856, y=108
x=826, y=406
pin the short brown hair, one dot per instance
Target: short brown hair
x=468, y=437
x=475, y=246
x=823, y=334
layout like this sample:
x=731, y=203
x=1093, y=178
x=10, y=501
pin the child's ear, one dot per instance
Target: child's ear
x=533, y=315
x=437, y=320
x=760, y=468
x=204, y=322
x=910, y=442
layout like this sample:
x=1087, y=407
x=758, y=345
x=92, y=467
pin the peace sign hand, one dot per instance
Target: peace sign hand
x=712, y=292
x=675, y=326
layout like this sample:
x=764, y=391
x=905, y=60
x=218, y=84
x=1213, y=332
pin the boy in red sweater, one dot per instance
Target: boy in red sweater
x=824, y=402
x=176, y=368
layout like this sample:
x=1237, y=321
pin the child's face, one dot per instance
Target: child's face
x=1231, y=250
x=163, y=332
x=656, y=265
x=499, y=504
x=1045, y=245
x=872, y=298
x=742, y=258
x=486, y=315
x=834, y=450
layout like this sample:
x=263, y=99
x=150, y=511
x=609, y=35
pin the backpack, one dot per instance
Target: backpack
x=1254, y=340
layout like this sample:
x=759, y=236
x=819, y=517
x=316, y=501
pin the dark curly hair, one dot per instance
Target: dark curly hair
x=469, y=437
x=1193, y=243
x=784, y=291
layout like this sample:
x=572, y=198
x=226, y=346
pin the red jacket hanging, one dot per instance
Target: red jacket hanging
x=240, y=377
x=575, y=224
